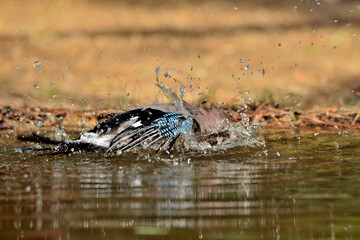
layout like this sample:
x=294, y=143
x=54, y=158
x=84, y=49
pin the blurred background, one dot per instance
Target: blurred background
x=103, y=53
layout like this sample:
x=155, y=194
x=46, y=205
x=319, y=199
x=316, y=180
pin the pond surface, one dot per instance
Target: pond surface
x=300, y=186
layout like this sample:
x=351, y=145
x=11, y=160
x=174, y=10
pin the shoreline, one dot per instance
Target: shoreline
x=267, y=116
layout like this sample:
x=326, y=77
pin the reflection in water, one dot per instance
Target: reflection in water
x=299, y=188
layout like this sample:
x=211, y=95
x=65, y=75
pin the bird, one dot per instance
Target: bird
x=155, y=126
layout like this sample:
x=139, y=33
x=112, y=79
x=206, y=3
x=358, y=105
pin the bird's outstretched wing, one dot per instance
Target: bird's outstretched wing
x=145, y=127
x=162, y=132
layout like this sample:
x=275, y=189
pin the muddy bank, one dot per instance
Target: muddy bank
x=268, y=116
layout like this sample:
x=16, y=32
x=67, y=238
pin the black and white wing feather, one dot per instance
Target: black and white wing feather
x=159, y=133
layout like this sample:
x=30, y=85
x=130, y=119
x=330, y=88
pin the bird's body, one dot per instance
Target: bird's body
x=155, y=126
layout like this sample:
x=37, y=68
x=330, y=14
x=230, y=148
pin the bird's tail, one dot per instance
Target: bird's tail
x=59, y=147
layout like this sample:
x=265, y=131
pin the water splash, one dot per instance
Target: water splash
x=168, y=92
x=243, y=133
x=60, y=134
x=236, y=135
x=37, y=65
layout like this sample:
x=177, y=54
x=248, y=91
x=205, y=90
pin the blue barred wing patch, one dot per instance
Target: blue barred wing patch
x=172, y=124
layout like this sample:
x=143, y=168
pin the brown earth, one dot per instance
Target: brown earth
x=103, y=54
x=33, y=119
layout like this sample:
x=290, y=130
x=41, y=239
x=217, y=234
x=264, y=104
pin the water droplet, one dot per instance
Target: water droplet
x=241, y=61
x=85, y=100
x=182, y=91
x=36, y=87
x=247, y=67
x=37, y=65
x=167, y=75
x=198, y=56
x=336, y=20
x=235, y=8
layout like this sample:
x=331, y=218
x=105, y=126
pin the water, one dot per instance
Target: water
x=37, y=65
x=299, y=186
